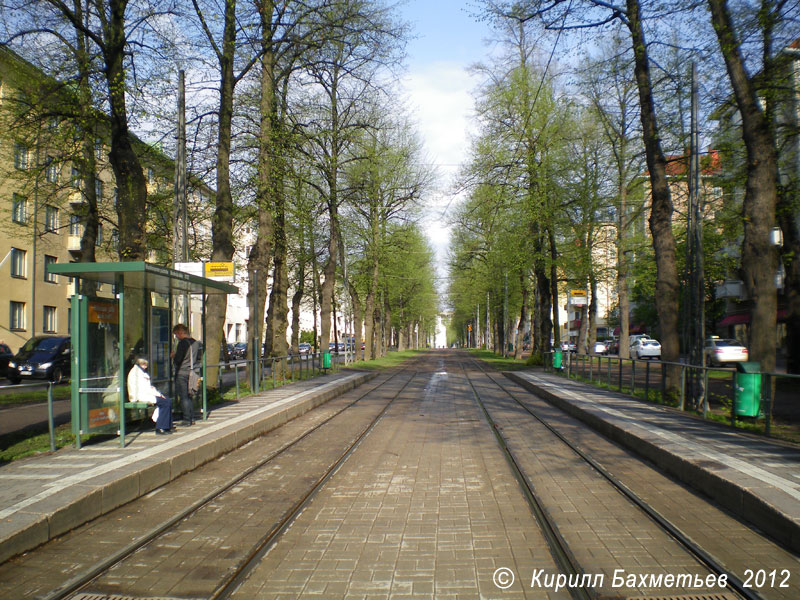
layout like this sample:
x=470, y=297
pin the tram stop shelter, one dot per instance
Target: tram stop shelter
x=129, y=313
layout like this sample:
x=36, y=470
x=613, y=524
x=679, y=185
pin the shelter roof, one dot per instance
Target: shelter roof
x=139, y=274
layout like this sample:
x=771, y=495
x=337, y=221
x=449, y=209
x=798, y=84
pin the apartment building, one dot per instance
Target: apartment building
x=43, y=206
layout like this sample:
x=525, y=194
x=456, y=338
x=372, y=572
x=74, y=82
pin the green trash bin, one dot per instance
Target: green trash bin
x=747, y=389
x=557, y=358
x=326, y=360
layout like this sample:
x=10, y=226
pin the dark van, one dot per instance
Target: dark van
x=42, y=357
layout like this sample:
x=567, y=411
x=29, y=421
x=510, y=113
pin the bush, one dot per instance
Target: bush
x=535, y=360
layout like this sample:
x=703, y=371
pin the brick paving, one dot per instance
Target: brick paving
x=427, y=507
x=737, y=546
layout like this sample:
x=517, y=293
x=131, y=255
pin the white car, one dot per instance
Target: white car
x=645, y=347
x=600, y=347
x=720, y=351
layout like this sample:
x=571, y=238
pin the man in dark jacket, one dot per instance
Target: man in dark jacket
x=181, y=363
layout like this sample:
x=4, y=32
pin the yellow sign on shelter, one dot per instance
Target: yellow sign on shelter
x=219, y=269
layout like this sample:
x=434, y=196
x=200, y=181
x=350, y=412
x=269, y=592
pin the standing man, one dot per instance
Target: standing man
x=181, y=363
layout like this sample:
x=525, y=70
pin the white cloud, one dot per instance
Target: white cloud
x=440, y=100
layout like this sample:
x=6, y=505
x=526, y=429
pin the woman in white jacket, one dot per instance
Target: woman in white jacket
x=140, y=389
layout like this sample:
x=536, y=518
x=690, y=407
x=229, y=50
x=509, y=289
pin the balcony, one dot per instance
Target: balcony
x=76, y=198
x=731, y=289
x=74, y=243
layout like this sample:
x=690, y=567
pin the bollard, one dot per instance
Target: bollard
x=50, y=423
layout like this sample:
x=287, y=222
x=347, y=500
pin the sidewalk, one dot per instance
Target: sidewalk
x=757, y=479
x=45, y=496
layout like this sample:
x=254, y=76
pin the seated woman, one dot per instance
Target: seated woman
x=141, y=390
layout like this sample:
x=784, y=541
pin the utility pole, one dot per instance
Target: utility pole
x=696, y=265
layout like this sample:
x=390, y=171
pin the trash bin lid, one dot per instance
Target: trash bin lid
x=748, y=367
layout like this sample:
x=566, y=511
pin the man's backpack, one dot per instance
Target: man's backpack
x=195, y=358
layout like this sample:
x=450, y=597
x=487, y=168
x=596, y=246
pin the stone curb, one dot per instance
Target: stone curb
x=78, y=504
x=735, y=496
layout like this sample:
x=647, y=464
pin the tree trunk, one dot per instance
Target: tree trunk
x=130, y=181
x=358, y=315
x=369, y=324
x=523, y=316
x=592, y=332
x=261, y=253
x=622, y=275
x=759, y=257
x=554, y=286
x=297, y=298
x=667, y=283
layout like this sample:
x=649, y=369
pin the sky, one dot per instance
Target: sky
x=446, y=40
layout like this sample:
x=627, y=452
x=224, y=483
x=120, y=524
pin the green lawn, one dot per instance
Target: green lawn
x=23, y=396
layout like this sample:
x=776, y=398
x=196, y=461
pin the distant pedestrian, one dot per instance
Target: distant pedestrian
x=141, y=389
x=182, y=362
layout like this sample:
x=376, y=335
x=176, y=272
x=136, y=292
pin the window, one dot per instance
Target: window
x=75, y=225
x=19, y=209
x=98, y=189
x=48, y=276
x=50, y=218
x=99, y=239
x=51, y=170
x=53, y=123
x=20, y=157
x=76, y=178
x=17, y=317
x=49, y=319
x=115, y=239
x=151, y=175
x=18, y=263
x=98, y=148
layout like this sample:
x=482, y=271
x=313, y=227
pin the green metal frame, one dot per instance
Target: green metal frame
x=138, y=275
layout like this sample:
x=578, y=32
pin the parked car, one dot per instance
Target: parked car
x=719, y=351
x=41, y=357
x=645, y=347
x=601, y=347
x=240, y=350
x=568, y=346
x=305, y=348
x=5, y=355
x=612, y=346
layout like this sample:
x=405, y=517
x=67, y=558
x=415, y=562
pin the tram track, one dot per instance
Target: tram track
x=558, y=546
x=80, y=584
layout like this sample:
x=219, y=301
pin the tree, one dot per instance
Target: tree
x=759, y=257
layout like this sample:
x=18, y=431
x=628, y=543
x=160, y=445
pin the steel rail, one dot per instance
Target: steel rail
x=81, y=581
x=705, y=558
x=559, y=549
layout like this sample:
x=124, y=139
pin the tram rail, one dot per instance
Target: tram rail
x=559, y=548
x=83, y=581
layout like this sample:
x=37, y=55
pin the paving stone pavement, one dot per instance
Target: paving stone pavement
x=426, y=507
x=755, y=478
x=44, y=496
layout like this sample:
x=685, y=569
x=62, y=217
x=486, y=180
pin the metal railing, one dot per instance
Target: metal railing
x=273, y=371
x=700, y=389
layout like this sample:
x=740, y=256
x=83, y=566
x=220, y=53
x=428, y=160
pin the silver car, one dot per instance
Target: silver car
x=719, y=351
x=645, y=347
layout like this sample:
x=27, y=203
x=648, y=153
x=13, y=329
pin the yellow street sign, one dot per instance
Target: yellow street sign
x=219, y=269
